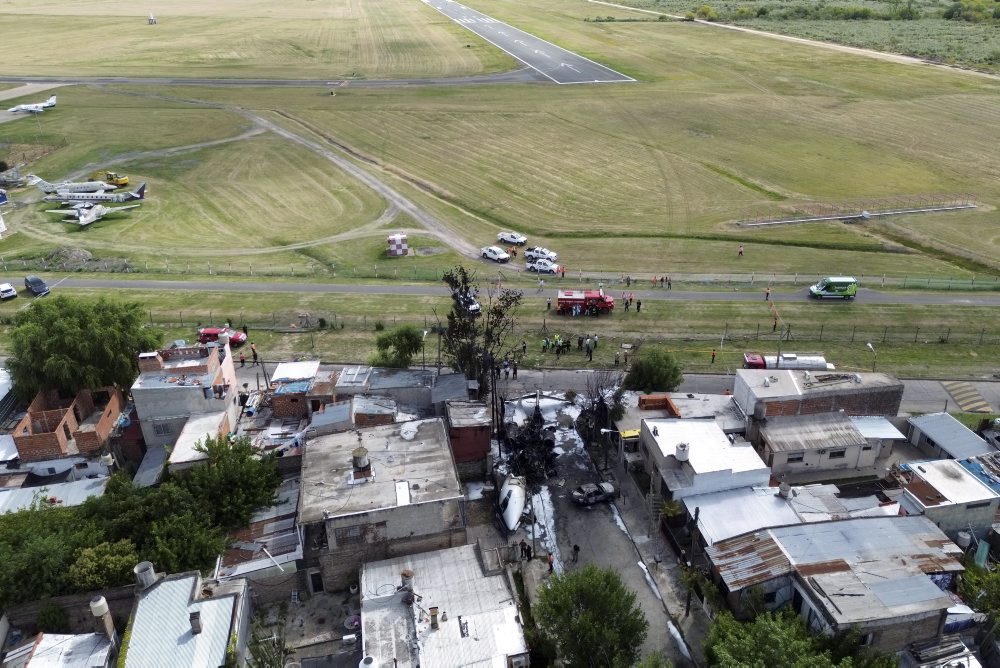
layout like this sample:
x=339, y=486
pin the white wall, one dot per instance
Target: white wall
x=812, y=460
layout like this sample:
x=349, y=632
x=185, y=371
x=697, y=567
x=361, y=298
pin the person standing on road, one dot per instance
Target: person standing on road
x=513, y=368
x=243, y=360
x=767, y=293
x=670, y=285
x=253, y=351
x=576, y=553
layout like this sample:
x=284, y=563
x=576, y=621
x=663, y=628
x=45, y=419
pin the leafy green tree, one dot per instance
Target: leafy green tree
x=53, y=619
x=267, y=647
x=476, y=342
x=236, y=479
x=782, y=639
x=104, y=565
x=981, y=588
x=654, y=660
x=396, y=348
x=593, y=617
x=69, y=344
x=653, y=370
x=185, y=542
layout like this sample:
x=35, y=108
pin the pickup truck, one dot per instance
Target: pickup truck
x=591, y=493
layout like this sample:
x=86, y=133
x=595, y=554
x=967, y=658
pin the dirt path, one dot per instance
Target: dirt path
x=830, y=46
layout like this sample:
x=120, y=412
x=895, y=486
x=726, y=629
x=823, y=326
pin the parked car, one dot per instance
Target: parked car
x=539, y=253
x=211, y=334
x=36, y=286
x=7, y=291
x=495, y=253
x=543, y=266
x=512, y=238
x=472, y=307
x=591, y=493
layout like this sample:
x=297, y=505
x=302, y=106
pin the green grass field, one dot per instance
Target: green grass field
x=299, y=39
x=645, y=178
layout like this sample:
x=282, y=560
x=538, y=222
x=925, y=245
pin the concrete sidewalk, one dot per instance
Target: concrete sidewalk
x=662, y=565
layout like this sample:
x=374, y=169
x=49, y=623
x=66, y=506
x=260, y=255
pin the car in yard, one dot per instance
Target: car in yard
x=543, y=266
x=36, y=286
x=495, y=253
x=7, y=291
x=512, y=238
x=212, y=334
x=590, y=493
x=539, y=253
x=471, y=306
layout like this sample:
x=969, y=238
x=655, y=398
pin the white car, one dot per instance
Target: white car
x=496, y=254
x=7, y=291
x=512, y=238
x=539, y=253
x=543, y=266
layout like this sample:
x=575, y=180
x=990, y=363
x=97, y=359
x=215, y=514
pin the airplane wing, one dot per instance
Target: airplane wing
x=65, y=212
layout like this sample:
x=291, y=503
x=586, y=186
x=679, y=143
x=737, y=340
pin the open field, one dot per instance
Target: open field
x=233, y=38
x=911, y=340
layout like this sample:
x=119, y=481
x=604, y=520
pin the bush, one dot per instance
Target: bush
x=689, y=16
x=379, y=326
x=53, y=619
x=744, y=13
x=706, y=13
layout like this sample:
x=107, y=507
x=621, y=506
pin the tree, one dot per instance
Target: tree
x=104, y=565
x=267, y=647
x=593, y=617
x=68, y=344
x=782, y=639
x=653, y=370
x=235, y=481
x=476, y=344
x=397, y=348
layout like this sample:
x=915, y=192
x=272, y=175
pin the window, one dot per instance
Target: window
x=771, y=597
x=838, y=454
x=348, y=535
x=162, y=428
x=867, y=447
x=795, y=458
x=978, y=504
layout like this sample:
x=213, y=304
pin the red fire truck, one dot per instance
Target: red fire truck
x=591, y=302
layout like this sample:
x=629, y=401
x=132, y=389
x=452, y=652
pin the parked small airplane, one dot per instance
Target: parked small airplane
x=34, y=108
x=83, y=200
x=84, y=217
x=69, y=187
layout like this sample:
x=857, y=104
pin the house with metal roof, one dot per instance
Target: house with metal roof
x=58, y=650
x=687, y=457
x=376, y=493
x=442, y=609
x=180, y=621
x=814, y=442
x=884, y=576
x=950, y=495
x=941, y=435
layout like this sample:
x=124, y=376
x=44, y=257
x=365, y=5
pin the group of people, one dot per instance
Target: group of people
x=628, y=298
x=561, y=345
x=661, y=281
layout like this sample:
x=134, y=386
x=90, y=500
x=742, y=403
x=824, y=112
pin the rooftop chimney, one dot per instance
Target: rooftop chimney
x=145, y=575
x=434, y=617
x=99, y=608
x=195, y=622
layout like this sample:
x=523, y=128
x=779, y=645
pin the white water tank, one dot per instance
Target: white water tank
x=964, y=540
x=683, y=453
x=145, y=575
x=784, y=490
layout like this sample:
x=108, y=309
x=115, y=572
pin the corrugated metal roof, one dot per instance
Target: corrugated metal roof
x=763, y=555
x=61, y=494
x=71, y=651
x=951, y=435
x=877, y=427
x=161, y=628
x=797, y=433
x=292, y=371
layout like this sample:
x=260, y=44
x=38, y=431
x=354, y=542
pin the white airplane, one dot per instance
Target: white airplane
x=34, y=108
x=84, y=217
x=69, y=187
x=84, y=200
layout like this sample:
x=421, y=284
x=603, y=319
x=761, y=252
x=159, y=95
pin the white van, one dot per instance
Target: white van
x=839, y=287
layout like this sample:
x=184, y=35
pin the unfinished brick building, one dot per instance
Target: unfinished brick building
x=57, y=426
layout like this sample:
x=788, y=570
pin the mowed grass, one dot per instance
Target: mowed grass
x=300, y=39
x=911, y=341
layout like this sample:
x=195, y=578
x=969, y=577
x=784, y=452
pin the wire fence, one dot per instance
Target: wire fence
x=390, y=270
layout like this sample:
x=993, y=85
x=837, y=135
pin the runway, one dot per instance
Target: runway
x=553, y=62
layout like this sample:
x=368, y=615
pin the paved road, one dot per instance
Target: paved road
x=865, y=296
x=524, y=74
x=554, y=62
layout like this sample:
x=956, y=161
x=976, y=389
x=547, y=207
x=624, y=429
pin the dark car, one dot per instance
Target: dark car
x=592, y=493
x=36, y=286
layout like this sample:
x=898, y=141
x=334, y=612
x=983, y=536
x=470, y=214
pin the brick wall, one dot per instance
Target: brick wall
x=372, y=419
x=40, y=446
x=894, y=638
x=469, y=444
x=882, y=400
x=289, y=405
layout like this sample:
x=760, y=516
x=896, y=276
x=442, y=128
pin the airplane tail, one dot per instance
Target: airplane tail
x=51, y=102
x=141, y=192
x=42, y=184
